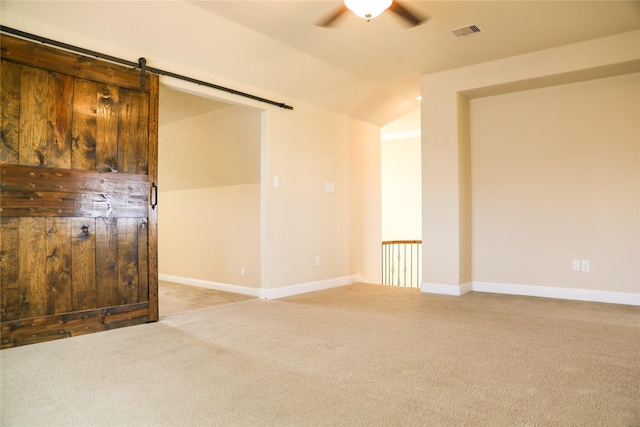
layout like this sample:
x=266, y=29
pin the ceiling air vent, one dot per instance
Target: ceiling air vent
x=466, y=31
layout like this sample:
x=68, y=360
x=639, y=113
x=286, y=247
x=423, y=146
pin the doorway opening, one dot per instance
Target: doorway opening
x=401, y=177
x=209, y=155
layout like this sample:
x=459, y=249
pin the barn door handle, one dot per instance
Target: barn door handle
x=154, y=195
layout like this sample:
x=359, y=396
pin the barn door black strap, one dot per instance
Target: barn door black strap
x=143, y=69
x=142, y=65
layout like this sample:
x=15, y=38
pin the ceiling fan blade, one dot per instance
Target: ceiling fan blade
x=330, y=20
x=404, y=13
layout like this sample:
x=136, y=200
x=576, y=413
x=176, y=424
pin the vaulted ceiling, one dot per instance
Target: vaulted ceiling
x=367, y=70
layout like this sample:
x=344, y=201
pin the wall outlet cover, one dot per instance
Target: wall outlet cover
x=585, y=266
x=575, y=265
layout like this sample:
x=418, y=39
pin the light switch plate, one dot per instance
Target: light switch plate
x=329, y=187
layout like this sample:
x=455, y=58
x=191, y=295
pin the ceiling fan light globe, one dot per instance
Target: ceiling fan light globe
x=367, y=9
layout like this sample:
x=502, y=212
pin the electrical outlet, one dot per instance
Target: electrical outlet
x=317, y=260
x=575, y=265
x=585, y=266
x=243, y=271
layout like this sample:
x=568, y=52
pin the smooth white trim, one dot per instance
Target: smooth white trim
x=432, y=288
x=211, y=285
x=279, y=292
x=301, y=288
x=559, y=293
x=359, y=278
x=438, y=288
x=466, y=288
x=534, y=291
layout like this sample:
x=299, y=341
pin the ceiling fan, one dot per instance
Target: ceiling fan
x=369, y=9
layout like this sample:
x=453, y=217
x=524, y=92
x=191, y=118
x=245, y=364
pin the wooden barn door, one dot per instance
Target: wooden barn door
x=78, y=166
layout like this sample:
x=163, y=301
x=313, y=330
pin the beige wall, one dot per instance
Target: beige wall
x=449, y=261
x=555, y=178
x=401, y=183
x=209, y=213
x=401, y=189
x=210, y=234
x=216, y=149
x=306, y=148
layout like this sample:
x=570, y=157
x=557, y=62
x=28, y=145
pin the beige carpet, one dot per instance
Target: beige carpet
x=360, y=355
x=176, y=298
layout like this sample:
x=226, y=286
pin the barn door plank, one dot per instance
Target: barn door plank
x=85, y=123
x=106, y=262
x=36, y=191
x=143, y=134
x=107, y=129
x=9, y=285
x=143, y=260
x=58, y=268
x=128, y=260
x=45, y=118
x=60, y=117
x=83, y=280
x=31, y=270
x=130, y=140
x=34, y=129
x=9, y=112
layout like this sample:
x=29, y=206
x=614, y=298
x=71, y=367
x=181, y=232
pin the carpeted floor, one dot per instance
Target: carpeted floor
x=176, y=298
x=359, y=355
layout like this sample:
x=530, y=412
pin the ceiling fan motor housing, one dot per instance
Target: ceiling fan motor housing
x=368, y=9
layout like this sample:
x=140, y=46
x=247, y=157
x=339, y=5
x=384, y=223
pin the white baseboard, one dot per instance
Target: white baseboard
x=438, y=288
x=274, y=293
x=559, y=293
x=359, y=278
x=244, y=290
x=301, y=288
x=533, y=291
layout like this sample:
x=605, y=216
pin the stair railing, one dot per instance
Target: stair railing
x=401, y=261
